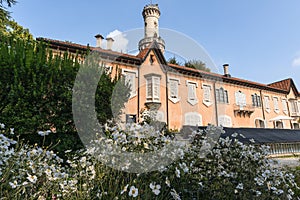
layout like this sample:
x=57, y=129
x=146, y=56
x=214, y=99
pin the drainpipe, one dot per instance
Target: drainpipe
x=138, y=96
x=288, y=107
x=262, y=106
x=167, y=98
x=216, y=104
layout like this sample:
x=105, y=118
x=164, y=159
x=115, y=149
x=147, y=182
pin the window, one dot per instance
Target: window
x=130, y=77
x=193, y=119
x=221, y=95
x=259, y=123
x=296, y=126
x=294, y=107
x=284, y=106
x=192, y=96
x=267, y=103
x=256, y=100
x=173, y=90
x=206, y=95
x=153, y=88
x=240, y=99
x=225, y=121
x=278, y=124
x=130, y=118
x=276, y=106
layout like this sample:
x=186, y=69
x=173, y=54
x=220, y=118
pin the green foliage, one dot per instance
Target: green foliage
x=173, y=60
x=36, y=92
x=197, y=64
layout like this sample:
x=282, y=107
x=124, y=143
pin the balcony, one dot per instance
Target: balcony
x=295, y=114
x=243, y=110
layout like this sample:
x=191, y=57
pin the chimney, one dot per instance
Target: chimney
x=226, y=70
x=99, y=39
x=109, y=43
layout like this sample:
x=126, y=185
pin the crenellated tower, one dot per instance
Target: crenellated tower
x=151, y=14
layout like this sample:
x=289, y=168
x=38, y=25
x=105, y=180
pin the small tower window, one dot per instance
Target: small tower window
x=145, y=24
x=151, y=59
x=155, y=24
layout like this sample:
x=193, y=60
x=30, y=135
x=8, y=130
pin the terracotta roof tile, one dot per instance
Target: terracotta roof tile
x=283, y=84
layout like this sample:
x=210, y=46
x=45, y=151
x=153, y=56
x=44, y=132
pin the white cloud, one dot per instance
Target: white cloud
x=296, y=61
x=120, y=41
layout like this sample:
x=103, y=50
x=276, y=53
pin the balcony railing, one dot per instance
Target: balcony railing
x=243, y=109
x=295, y=114
x=284, y=148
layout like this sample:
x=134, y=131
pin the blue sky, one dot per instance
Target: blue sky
x=260, y=39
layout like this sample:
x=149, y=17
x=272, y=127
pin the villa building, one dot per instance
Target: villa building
x=186, y=96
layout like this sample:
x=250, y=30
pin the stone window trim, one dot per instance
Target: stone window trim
x=256, y=101
x=192, y=98
x=240, y=99
x=193, y=119
x=276, y=104
x=175, y=97
x=207, y=99
x=222, y=95
x=155, y=87
x=284, y=102
x=125, y=72
x=260, y=120
x=267, y=103
x=224, y=121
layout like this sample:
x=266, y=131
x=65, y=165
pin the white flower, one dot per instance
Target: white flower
x=124, y=189
x=252, y=140
x=133, y=191
x=177, y=173
x=168, y=182
x=44, y=133
x=155, y=188
x=175, y=195
x=240, y=186
x=14, y=184
x=12, y=131
x=31, y=178
x=234, y=135
x=2, y=126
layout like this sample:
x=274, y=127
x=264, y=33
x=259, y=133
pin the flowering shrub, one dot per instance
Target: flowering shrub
x=208, y=168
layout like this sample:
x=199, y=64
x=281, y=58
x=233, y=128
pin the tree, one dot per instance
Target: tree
x=9, y=27
x=36, y=92
x=173, y=60
x=197, y=64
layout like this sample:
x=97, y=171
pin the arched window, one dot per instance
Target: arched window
x=193, y=119
x=259, y=123
x=225, y=121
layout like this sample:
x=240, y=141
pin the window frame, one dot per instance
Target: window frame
x=133, y=88
x=153, y=80
x=193, y=100
x=173, y=82
x=222, y=95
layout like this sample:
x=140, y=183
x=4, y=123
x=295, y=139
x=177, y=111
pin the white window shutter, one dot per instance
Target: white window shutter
x=149, y=87
x=156, y=89
x=206, y=95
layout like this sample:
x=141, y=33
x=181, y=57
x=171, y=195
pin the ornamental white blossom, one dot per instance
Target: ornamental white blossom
x=31, y=178
x=133, y=191
x=155, y=188
x=14, y=184
x=240, y=186
x=2, y=126
x=44, y=133
x=177, y=173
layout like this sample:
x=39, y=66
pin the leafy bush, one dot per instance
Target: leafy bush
x=207, y=169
